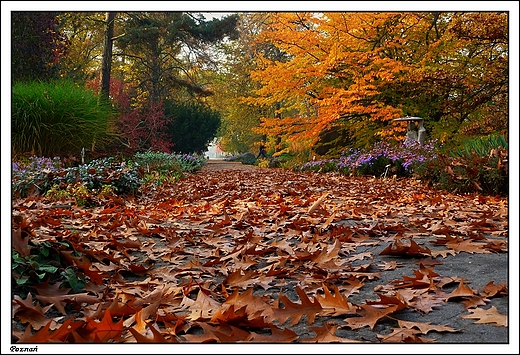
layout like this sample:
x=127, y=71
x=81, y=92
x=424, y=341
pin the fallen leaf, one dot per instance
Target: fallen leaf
x=296, y=310
x=334, y=305
x=276, y=336
x=59, y=335
x=369, y=315
x=20, y=243
x=474, y=301
x=325, y=334
x=106, y=330
x=404, y=335
x=405, y=247
x=462, y=290
x=492, y=290
x=157, y=337
x=468, y=246
x=391, y=265
x=487, y=316
x=390, y=300
x=30, y=312
x=317, y=203
x=60, y=301
x=204, y=307
x=426, y=327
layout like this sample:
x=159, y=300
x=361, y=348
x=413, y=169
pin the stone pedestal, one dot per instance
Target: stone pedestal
x=415, y=130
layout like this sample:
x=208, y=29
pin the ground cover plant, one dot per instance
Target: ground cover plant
x=265, y=255
x=480, y=165
x=124, y=176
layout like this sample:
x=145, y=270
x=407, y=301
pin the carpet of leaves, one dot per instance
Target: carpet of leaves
x=266, y=255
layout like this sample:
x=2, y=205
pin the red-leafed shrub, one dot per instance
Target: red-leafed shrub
x=142, y=125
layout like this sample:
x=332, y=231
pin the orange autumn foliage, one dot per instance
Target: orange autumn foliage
x=361, y=70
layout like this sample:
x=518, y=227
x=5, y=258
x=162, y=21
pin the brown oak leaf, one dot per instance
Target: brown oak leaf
x=326, y=334
x=487, y=316
x=277, y=336
x=370, y=315
x=334, y=305
x=426, y=327
x=462, y=290
x=30, y=312
x=404, y=335
x=405, y=247
x=106, y=330
x=296, y=310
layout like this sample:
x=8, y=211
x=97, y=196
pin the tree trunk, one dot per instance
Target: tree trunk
x=107, y=56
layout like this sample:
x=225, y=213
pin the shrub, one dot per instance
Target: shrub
x=33, y=165
x=168, y=162
x=78, y=192
x=469, y=173
x=103, y=176
x=151, y=160
x=321, y=166
x=191, y=126
x=58, y=118
x=94, y=175
x=378, y=160
x=190, y=163
x=481, y=146
x=245, y=158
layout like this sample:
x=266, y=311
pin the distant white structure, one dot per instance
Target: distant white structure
x=214, y=151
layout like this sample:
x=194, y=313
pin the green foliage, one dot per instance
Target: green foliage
x=161, y=167
x=190, y=163
x=376, y=167
x=44, y=263
x=56, y=193
x=162, y=161
x=192, y=126
x=107, y=190
x=78, y=192
x=332, y=141
x=481, y=146
x=158, y=167
x=239, y=120
x=93, y=176
x=236, y=130
x=479, y=165
x=262, y=163
x=322, y=166
x=166, y=44
x=469, y=172
x=72, y=279
x=381, y=159
x=100, y=177
x=58, y=118
x=245, y=158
